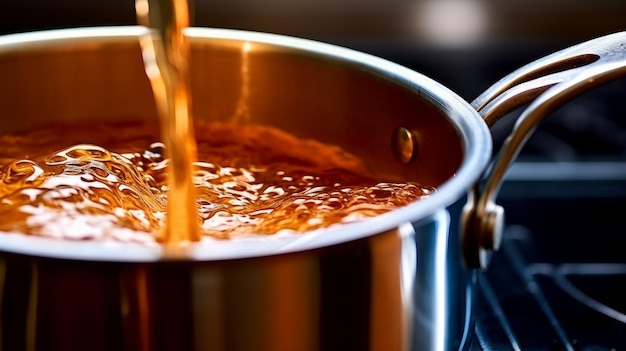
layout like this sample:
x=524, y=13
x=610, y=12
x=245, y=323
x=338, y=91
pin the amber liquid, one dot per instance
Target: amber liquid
x=249, y=181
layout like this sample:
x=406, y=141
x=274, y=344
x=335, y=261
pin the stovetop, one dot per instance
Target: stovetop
x=538, y=303
x=559, y=280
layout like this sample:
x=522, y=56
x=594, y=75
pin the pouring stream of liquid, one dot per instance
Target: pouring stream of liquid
x=165, y=52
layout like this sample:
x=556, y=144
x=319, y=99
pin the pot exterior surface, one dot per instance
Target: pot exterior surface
x=392, y=282
x=399, y=290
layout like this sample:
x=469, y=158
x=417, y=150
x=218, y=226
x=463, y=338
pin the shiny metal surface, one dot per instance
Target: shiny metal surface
x=394, y=282
x=443, y=296
x=546, y=84
x=399, y=290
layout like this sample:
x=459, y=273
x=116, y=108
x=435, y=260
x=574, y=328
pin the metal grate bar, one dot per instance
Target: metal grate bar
x=525, y=273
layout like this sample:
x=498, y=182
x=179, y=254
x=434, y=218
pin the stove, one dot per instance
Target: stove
x=534, y=303
x=559, y=280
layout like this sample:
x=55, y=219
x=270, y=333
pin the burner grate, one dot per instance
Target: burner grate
x=532, y=305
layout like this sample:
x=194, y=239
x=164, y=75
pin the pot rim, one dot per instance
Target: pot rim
x=475, y=135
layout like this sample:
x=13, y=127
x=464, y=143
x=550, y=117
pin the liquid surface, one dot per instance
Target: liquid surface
x=108, y=182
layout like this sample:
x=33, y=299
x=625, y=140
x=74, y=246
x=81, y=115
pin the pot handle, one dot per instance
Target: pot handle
x=544, y=85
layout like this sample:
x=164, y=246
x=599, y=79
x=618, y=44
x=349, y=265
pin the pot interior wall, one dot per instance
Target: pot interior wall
x=309, y=95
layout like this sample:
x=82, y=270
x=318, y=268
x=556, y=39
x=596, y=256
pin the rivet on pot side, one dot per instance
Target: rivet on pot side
x=404, y=145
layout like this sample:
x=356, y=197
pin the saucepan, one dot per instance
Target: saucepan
x=403, y=280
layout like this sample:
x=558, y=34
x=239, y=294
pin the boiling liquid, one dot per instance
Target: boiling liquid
x=249, y=180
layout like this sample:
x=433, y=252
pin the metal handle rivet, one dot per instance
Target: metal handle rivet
x=404, y=145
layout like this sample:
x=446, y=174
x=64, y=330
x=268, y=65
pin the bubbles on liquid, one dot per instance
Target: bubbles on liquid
x=80, y=192
x=249, y=187
x=21, y=172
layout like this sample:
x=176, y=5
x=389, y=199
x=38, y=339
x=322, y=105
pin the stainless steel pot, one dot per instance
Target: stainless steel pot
x=400, y=281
